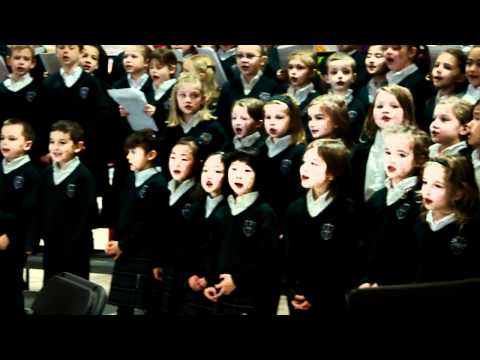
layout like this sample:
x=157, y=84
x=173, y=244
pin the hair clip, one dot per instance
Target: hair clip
x=440, y=161
x=286, y=99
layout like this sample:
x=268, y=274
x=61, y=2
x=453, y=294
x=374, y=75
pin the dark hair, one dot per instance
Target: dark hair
x=252, y=160
x=337, y=157
x=296, y=129
x=102, y=71
x=80, y=47
x=147, y=139
x=461, y=59
x=224, y=159
x=164, y=56
x=27, y=131
x=192, y=144
x=459, y=177
x=254, y=107
x=69, y=127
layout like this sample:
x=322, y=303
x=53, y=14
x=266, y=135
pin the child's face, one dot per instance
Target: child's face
x=134, y=61
x=320, y=123
x=213, y=173
x=474, y=128
x=242, y=123
x=299, y=75
x=472, y=70
x=180, y=163
x=249, y=60
x=387, y=110
x=446, y=72
x=189, y=99
x=68, y=55
x=12, y=142
x=139, y=159
x=62, y=148
x=340, y=75
x=89, y=58
x=277, y=120
x=313, y=171
x=159, y=72
x=445, y=128
x=375, y=61
x=241, y=178
x=434, y=188
x=21, y=62
x=399, y=159
x=398, y=57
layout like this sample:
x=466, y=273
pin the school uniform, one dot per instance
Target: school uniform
x=356, y=114
x=461, y=148
x=362, y=74
x=321, y=253
x=358, y=162
x=228, y=61
x=366, y=93
x=281, y=169
x=448, y=251
x=18, y=196
x=472, y=94
x=142, y=217
x=206, y=250
x=79, y=97
x=67, y=213
x=162, y=103
x=390, y=217
x=209, y=136
x=249, y=253
x=20, y=99
x=430, y=107
x=250, y=144
x=261, y=87
x=475, y=157
x=414, y=80
x=173, y=254
x=303, y=97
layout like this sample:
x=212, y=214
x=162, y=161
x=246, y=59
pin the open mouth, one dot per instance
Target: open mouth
x=427, y=201
x=391, y=168
x=209, y=183
x=434, y=133
x=238, y=130
x=386, y=118
x=238, y=185
x=272, y=131
x=305, y=178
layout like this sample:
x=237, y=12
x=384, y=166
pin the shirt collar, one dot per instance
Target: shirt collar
x=375, y=173
x=247, y=141
x=372, y=89
x=177, y=191
x=301, y=94
x=137, y=84
x=224, y=55
x=61, y=174
x=315, y=207
x=247, y=87
x=454, y=149
x=16, y=85
x=440, y=224
x=241, y=203
x=395, y=193
x=395, y=77
x=9, y=166
x=163, y=88
x=196, y=118
x=211, y=204
x=277, y=147
x=144, y=175
x=72, y=77
x=476, y=165
x=472, y=94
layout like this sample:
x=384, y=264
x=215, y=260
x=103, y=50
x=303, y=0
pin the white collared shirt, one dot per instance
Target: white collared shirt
x=277, y=147
x=196, y=118
x=372, y=89
x=395, y=77
x=375, y=173
x=137, y=84
x=247, y=87
x=177, y=191
x=144, y=175
x=224, y=55
x=71, y=78
x=315, y=207
x=163, y=88
x=61, y=174
x=476, y=165
x=348, y=97
x=246, y=142
x=241, y=203
x=17, y=85
x=301, y=94
x=434, y=150
x=211, y=204
x=472, y=94
x=440, y=224
x=9, y=166
x=395, y=193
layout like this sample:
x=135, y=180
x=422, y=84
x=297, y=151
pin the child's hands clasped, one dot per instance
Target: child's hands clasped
x=197, y=283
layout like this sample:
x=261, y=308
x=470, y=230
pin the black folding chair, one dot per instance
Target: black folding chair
x=69, y=294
